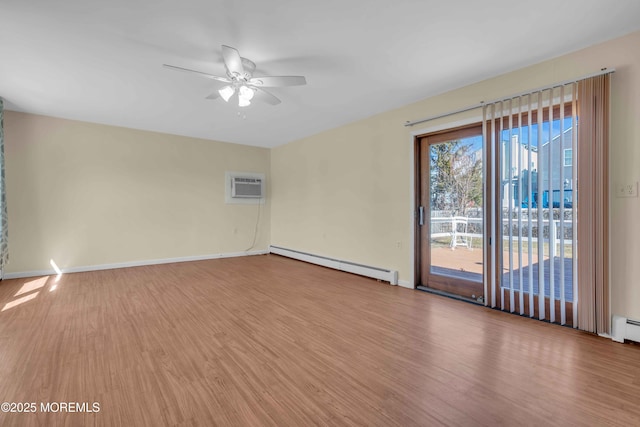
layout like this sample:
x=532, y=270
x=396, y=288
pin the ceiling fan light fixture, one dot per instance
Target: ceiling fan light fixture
x=227, y=92
x=243, y=102
x=246, y=93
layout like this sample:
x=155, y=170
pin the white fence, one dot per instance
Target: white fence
x=462, y=230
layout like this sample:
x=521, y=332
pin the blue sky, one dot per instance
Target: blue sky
x=476, y=141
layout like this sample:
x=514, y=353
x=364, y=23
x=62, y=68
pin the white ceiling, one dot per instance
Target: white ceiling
x=100, y=61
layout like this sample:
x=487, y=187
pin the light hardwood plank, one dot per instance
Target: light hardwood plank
x=266, y=340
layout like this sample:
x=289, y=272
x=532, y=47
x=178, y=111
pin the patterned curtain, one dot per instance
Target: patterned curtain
x=4, y=233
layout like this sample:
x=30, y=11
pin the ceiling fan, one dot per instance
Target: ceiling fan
x=240, y=80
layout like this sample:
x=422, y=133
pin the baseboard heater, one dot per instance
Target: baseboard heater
x=390, y=276
x=625, y=329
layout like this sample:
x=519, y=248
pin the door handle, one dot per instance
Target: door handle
x=421, y=215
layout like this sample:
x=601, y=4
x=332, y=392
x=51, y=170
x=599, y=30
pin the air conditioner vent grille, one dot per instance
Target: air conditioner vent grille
x=246, y=188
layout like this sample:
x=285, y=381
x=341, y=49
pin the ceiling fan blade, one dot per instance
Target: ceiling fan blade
x=232, y=60
x=264, y=96
x=278, y=81
x=214, y=95
x=209, y=76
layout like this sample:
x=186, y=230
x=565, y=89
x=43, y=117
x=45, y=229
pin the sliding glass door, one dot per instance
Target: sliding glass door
x=520, y=178
x=535, y=193
x=451, y=212
x=499, y=219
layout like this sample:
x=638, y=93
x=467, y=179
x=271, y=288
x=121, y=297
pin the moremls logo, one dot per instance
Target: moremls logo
x=86, y=407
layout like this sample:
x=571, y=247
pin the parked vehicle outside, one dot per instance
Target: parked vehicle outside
x=555, y=203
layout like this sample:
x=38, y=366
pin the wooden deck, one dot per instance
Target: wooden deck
x=467, y=264
x=268, y=341
x=557, y=276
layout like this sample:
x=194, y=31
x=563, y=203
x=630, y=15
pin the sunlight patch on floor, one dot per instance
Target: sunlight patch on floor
x=32, y=285
x=19, y=301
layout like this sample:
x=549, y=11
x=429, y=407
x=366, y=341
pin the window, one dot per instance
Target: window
x=568, y=157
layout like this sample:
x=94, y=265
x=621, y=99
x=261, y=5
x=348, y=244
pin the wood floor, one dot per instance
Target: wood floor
x=265, y=340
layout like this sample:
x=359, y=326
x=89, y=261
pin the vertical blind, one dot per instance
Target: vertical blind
x=593, y=204
x=549, y=248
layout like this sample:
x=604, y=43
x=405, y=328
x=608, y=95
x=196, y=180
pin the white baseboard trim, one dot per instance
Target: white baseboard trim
x=405, y=284
x=35, y=273
x=390, y=276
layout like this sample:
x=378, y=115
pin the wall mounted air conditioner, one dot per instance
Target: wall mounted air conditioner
x=246, y=187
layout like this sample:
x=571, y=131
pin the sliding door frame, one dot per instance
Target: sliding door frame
x=414, y=185
x=421, y=250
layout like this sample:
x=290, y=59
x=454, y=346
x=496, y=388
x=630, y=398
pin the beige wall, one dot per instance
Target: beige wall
x=346, y=193
x=85, y=194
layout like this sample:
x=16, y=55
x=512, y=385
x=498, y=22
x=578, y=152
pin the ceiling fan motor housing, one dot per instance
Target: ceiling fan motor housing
x=249, y=67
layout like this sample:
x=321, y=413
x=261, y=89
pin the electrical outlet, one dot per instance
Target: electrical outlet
x=627, y=190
